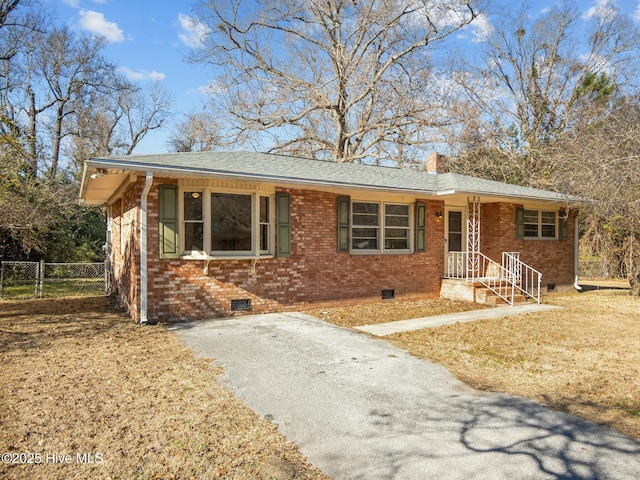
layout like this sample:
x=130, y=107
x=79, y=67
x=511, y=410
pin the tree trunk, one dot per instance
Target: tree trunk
x=57, y=140
x=634, y=281
x=33, y=141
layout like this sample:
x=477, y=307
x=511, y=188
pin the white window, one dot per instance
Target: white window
x=193, y=221
x=226, y=223
x=396, y=227
x=231, y=223
x=365, y=226
x=265, y=225
x=540, y=224
x=380, y=227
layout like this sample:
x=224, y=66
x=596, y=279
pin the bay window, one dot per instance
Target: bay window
x=205, y=222
x=231, y=223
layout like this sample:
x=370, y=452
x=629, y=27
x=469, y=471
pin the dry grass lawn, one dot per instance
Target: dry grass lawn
x=79, y=378
x=583, y=359
x=389, y=311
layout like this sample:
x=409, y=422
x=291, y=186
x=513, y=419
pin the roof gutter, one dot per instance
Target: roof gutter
x=255, y=177
x=144, y=276
x=123, y=165
x=509, y=196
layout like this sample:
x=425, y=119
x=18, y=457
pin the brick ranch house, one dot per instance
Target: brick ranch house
x=202, y=235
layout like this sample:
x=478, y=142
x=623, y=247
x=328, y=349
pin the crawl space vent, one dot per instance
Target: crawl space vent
x=388, y=294
x=240, y=304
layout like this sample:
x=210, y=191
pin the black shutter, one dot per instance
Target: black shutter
x=283, y=224
x=344, y=223
x=520, y=223
x=421, y=227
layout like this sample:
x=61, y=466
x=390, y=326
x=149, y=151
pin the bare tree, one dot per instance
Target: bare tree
x=20, y=25
x=540, y=76
x=143, y=111
x=600, y=163
x=6, y=9
x=198, y=132
x=116, y=120
x=338, y=79
x=60, y=103
x=70, y=66
x=17, y=15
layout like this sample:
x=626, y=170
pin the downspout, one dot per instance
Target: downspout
x=576, y=255
x=144, y=278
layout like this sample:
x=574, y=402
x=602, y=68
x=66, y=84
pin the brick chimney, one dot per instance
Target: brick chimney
x=436, y=163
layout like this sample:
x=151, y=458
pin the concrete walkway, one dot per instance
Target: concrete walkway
x=360, y=408
x=389, y=328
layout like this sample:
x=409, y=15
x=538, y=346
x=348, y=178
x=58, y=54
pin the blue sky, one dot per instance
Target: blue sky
x=149, y=39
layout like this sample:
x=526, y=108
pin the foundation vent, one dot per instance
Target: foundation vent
x=388, y=294
x=238, y=304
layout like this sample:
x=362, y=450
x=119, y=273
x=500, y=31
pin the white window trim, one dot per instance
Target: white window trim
x=181, y=193
x=255, y=252
x=270, y=223
x=381, y=228
x=409, y=228
x=540, y=237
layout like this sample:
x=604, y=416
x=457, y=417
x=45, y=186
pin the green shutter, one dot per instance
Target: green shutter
x=283, y=224
x=169, y=241
x=421, y=227
x=344, y=223
x=520, y=223
x=564, y=227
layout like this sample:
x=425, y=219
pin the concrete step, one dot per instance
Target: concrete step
x=475, y=292
x=486, y=297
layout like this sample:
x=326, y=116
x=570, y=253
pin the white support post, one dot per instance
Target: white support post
x=144, y=254
x=473, y=237
x=40, y=280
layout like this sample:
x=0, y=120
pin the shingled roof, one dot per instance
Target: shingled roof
x=296, y=171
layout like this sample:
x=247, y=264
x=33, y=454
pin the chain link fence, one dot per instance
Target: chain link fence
x=40, y=279
x=596, y=268
x=19, y=279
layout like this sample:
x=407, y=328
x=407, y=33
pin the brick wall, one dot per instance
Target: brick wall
x=553, y=258
x=125, y=249
x=315, y=272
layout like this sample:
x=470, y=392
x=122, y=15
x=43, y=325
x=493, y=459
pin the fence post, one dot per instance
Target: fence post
x=40, y=283
x=1, y=277
x=106, y=276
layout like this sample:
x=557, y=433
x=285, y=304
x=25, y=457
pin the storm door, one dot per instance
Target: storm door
x=454, y=243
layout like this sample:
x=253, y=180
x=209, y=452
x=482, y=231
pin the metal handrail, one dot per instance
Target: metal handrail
x=502, y=279
x=526, y=279
x=457, y=265
x=496, y=278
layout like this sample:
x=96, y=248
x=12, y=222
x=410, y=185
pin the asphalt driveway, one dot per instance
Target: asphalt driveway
x=360, y=408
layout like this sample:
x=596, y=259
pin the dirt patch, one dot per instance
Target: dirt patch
x=390, y=311
x=81, y=383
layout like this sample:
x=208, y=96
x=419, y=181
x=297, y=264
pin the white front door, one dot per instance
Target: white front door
x=454, y=241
